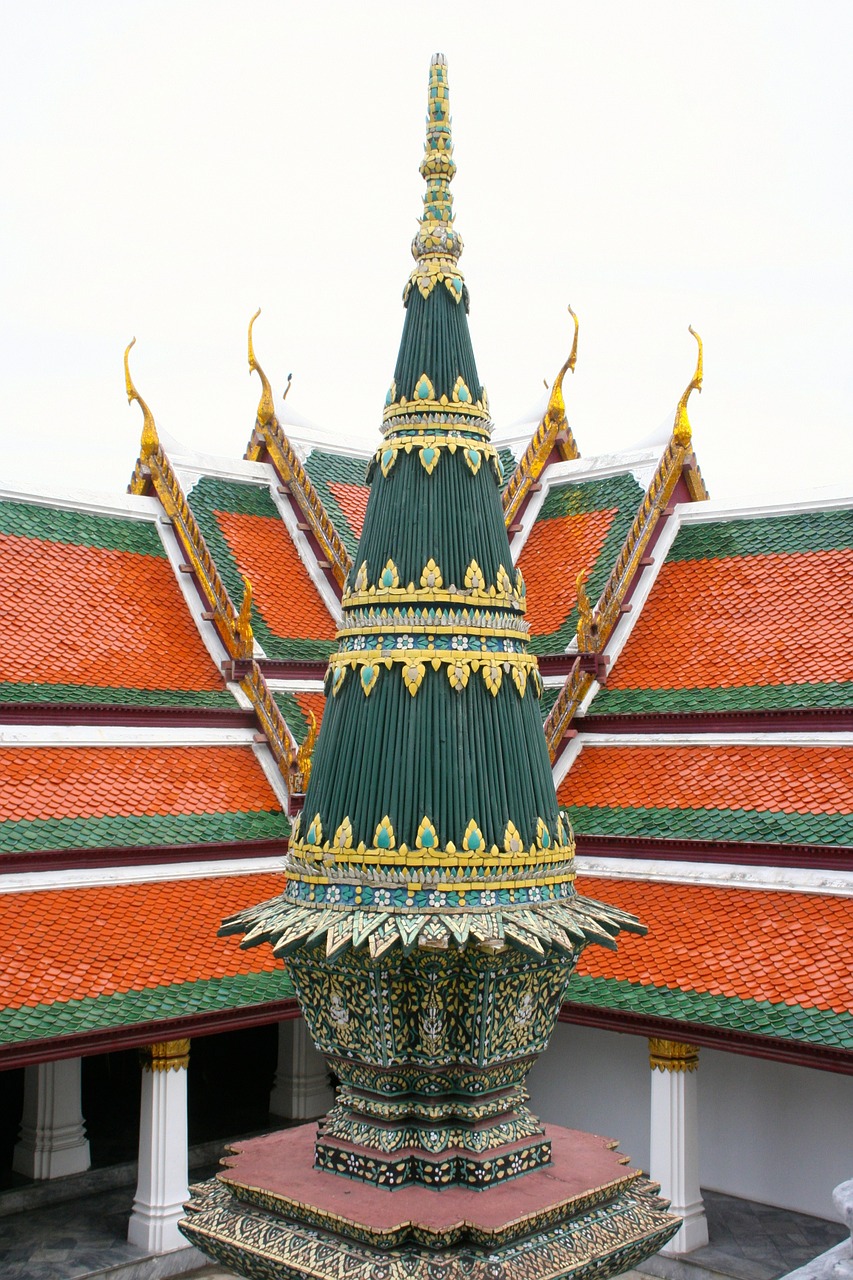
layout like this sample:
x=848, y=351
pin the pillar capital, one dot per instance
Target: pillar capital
x=672, y=1055
x=165, y=1055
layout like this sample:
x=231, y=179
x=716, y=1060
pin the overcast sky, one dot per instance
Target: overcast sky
x=169, y=167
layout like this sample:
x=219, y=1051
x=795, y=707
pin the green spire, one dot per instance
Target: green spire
x=436, y=371
x=431, y=789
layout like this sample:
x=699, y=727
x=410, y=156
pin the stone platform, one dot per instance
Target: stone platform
x=270, y=1215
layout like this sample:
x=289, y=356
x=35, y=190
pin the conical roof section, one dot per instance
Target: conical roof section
x=431, y=813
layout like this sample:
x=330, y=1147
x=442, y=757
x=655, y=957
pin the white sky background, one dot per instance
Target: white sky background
x=169, y=167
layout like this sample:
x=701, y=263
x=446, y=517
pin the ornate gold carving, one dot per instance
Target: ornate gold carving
x=269, y=436
x=304, y=756
x=552, y=430
x=154, y=470
x=458, y=665
x=266, y=407
x=150, y=439
x=672, y=1055
x=577, y=686
x=274, y=726
x=587, y=629
x=165, y=1055
x=245, y=635
x=681, y=430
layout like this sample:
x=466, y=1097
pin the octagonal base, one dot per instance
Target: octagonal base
x=272, y=1216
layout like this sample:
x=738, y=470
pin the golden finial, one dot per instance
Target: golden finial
x=266, y=406
x=245, y=635
x=681, y=430
x=150, y=440
x=556, y=411
x=306, y=751
x=437, y=246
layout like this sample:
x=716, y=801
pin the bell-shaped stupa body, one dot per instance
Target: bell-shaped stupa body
x=430, y=921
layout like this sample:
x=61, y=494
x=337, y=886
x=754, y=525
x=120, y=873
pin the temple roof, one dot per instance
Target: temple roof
x=85, y=961
x=247, y=537
x=79, y=796
x=747, y=613
x=739, y=790
x=735, y=959
x=93, y=613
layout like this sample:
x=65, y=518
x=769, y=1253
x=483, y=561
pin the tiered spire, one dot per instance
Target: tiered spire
x=431, y=788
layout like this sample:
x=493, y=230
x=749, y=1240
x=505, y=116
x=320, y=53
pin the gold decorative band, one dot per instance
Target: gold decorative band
x=672, y=1055
x=165, y=1055
x=458, y=665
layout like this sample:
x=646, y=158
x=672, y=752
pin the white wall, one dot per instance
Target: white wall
x=597, y=1081
x=768, y=1132
x=774, y=1133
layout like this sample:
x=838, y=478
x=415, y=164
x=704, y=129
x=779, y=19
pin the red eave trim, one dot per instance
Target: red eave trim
x=140, y=855
x=277, y=669
x=799, y=719
x=119, y=714
x=793, y=1052
x=88, y=1043
x=556, y=664
x=827, y=857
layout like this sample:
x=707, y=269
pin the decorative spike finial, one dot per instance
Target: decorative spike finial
x=266, y=405
x=437, y=247
x=681, y=429
x=245, y=635
x=556, y=411
x=306, y=751
x=150, y=440
x=587, y=626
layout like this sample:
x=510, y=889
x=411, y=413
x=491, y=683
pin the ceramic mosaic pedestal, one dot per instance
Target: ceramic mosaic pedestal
x=271, y=1215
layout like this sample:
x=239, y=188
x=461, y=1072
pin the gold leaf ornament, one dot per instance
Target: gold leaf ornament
x=431, y=577
x=413, y=674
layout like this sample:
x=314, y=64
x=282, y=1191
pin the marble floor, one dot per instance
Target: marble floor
x=85, y=1237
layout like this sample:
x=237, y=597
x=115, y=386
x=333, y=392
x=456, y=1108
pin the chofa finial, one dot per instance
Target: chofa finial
x=681, y=430
x=150, y=440
x=266, y=405
x=556, y=411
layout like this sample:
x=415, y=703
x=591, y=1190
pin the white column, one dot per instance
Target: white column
x=162, y=1188
x=301, y=1088
x=52, y=1141
x=674, y=1154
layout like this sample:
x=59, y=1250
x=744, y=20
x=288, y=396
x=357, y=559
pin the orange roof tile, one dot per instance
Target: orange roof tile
x=86, y=615
x=752, y=944
x=794, y=779
x=555, y=552
x=308, y=701
x=71, y=944
x=749, y=620
x=352, y=499
x=91, y=782
x=265, y=555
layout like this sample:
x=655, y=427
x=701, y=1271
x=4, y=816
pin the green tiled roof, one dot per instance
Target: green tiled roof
x=746, y=825
x=212, y=494
x=67, y=694
x=78, y=528
x=293, y=714
x=768, y=535
x=621, y=494
x=756, y=1017
x=124, y=1009
x=41, y=834
x=324, y=469
x=769, y=697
